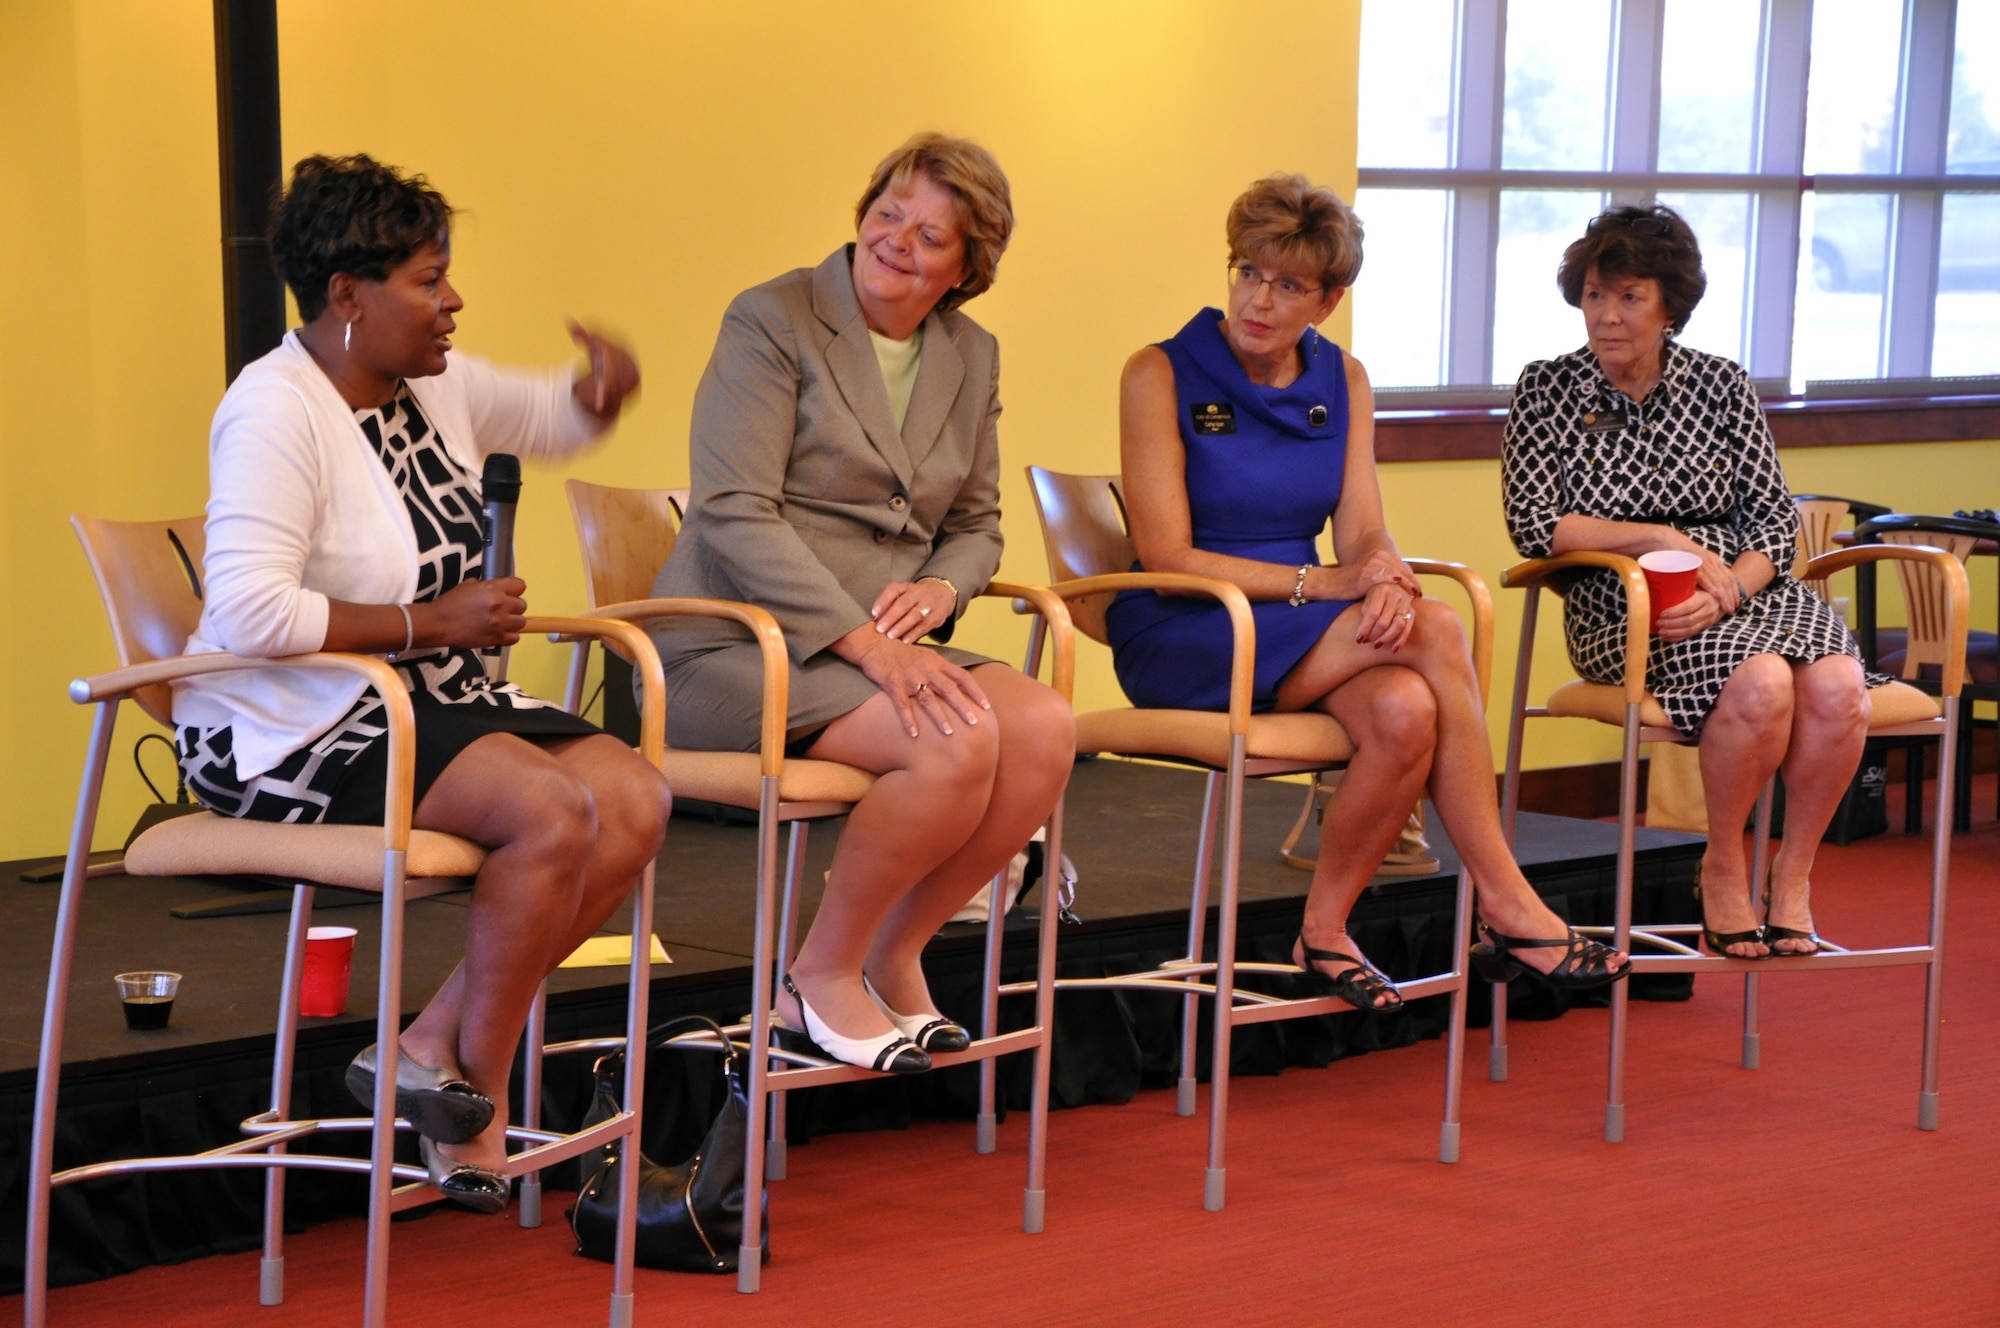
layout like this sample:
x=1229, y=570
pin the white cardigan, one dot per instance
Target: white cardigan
x=301, y=510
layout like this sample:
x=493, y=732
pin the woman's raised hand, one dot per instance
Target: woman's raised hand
x=914, y=678
x=614, y=374
x=477, y=613
x=906, y=610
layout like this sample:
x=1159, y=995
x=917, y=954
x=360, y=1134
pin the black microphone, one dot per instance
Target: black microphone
x=500, y=482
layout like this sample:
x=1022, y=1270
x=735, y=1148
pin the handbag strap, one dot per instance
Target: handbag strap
x=663, y=1035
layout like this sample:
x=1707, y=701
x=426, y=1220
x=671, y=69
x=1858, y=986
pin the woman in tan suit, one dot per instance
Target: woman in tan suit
x=846, y=476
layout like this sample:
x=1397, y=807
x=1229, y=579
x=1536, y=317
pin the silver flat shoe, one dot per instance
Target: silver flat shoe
x=473, y=1187
x=439, y=1106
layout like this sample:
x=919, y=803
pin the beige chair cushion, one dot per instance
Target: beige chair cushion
x=1603, y=702
x=733, y=778
x=1898, y=703
x=204, y=844
x=1203, y=735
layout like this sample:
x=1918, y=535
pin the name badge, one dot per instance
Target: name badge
x=1603, y=421
x=1213, y=417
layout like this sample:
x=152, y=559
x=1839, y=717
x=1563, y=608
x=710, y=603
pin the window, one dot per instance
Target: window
x=1838, y=159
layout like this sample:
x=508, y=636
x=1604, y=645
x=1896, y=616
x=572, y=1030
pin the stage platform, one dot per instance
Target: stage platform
x=1130, y=831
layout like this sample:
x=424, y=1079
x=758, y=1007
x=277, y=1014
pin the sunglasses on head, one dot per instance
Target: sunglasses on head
x=1641, y=225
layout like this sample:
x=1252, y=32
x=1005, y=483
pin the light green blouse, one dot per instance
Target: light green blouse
x=899, y=361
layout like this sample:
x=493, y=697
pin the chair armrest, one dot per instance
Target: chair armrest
x=1958, y=594
x=1062, y=633
x=1475, y=589
x=120, y=683
x=770, y=646
x=637, y=647
x=1536, y=572
x=1242, y=627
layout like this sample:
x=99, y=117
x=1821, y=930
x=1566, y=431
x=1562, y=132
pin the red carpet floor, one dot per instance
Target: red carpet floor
x=1798, y=1194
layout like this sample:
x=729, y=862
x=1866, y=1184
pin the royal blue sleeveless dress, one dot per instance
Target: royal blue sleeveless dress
x=1262, y=480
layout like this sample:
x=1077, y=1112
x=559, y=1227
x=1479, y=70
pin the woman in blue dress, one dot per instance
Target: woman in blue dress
x=1240, y=436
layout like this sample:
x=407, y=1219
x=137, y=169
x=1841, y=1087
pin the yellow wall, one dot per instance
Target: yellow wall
x=636, y=164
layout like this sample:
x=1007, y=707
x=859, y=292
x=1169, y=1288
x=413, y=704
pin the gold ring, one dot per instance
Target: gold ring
x=923, y=610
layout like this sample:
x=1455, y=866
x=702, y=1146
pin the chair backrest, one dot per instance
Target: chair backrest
x=1819, y=518
x=1925, y=596
x=149, y=574
x=1084, y=531
x=626, y=535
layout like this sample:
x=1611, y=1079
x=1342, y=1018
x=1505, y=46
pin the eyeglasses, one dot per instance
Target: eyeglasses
x=1287, y=290
x=1641, y=225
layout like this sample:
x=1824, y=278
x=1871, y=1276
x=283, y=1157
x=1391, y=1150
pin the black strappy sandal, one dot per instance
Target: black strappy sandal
x=1361, y=984
x=1773, y=933
x=1719, y=941
x=1585, y=963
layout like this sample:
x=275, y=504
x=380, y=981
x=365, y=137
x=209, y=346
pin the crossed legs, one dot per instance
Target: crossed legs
x=945, y=814
x=567, y=827
x=1415, y=717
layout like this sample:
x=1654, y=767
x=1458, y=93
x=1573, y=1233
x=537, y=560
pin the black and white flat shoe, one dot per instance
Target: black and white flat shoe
x=435, y=1103
x=891, y=1053
x=477, y=1188
x=931, y=1031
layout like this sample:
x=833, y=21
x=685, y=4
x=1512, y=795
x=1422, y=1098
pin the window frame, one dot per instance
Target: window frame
x=1474, y=181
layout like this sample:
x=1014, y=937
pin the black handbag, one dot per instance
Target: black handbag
x=691, y=1213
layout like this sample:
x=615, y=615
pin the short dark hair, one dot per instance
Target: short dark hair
x=353, y=215
x=1639, y=242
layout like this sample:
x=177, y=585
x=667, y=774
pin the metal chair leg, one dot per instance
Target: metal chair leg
x=1628, y=821
x=382, y=1145
x=750, y=1266
x=1454, y=1031
x=1760, y=881
x=48, y=1071
x=639, y=982
x=533, y=1041
x=271, y=1269
x=1204, y=865
x=1035, y=1200
x=1213, y=1182
x=986, y=1128
x=1948, y=775
x=788, y=929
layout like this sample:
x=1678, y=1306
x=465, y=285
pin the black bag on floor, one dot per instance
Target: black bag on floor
x=690, y=1214
x=1864, y=808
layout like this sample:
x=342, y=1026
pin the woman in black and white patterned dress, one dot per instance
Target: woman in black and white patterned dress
x=1636, y=443
x=344, y=515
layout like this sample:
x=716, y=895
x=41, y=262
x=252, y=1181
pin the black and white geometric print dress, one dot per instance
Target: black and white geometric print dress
x=445, y=514
x=1695, y=454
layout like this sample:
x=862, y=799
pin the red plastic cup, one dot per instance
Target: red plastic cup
x=329, y=956
x=1670, y=576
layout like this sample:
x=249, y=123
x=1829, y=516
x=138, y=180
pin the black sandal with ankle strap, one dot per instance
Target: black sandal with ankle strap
x=1361, y=984
x=1585, y=963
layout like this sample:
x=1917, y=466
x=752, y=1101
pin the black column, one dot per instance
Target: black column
x=246, y=102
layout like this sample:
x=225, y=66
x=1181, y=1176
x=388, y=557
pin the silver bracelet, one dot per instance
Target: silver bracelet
x=1299, y=586
x=409, y=629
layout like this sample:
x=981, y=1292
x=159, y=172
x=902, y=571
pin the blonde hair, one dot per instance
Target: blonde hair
x=985, y=205
x=1287, y=221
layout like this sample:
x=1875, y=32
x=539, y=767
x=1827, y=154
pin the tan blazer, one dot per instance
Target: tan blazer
x=807, y=500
